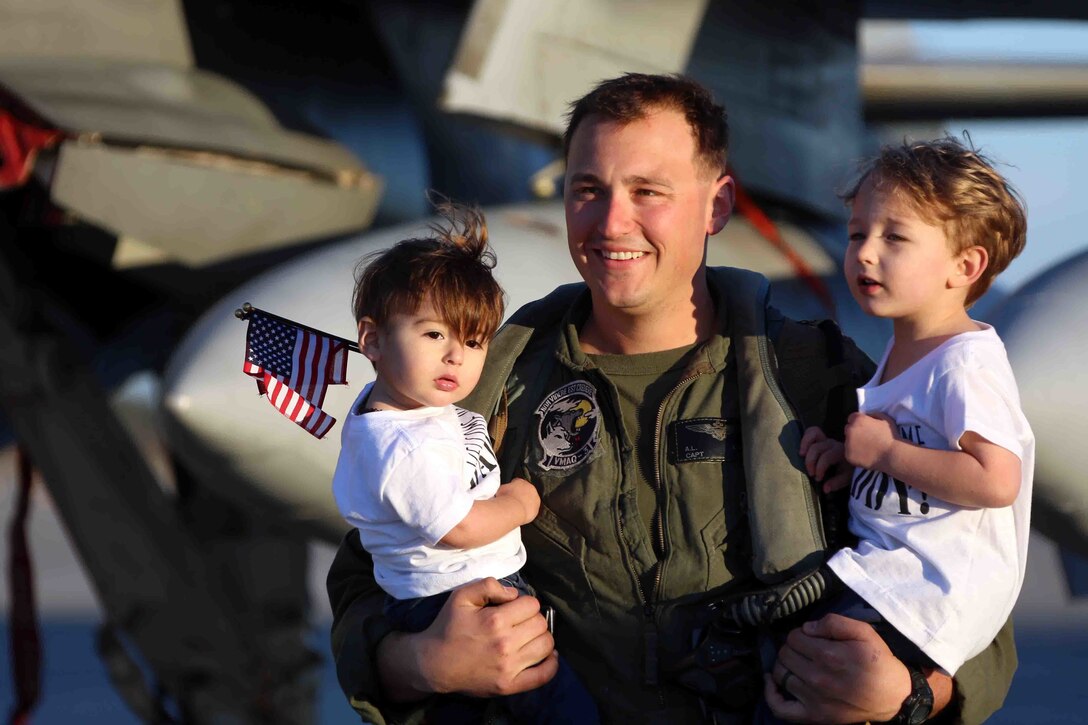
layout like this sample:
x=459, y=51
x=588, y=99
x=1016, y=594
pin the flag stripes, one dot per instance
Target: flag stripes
x=294, y=367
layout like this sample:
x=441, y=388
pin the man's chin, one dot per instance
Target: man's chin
x=631, y=302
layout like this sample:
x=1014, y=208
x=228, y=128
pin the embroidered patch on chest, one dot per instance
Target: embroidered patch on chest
x=704, y=439
x=569, y=426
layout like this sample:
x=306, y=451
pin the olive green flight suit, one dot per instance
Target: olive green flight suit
x=589, y=549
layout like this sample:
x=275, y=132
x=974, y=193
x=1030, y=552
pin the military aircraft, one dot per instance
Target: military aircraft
x=174, y=165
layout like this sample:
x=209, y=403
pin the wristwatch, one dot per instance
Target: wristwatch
x=919, y=702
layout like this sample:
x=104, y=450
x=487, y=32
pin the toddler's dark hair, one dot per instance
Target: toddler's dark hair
x=452, y=269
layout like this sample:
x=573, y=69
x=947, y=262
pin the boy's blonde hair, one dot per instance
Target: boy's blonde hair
x=451, y=269
x=952, y=185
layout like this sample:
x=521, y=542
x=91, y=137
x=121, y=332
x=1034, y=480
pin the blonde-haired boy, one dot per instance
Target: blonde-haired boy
x=940, y=496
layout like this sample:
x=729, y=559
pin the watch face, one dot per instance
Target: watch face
x=918, y=704
x=918, y=712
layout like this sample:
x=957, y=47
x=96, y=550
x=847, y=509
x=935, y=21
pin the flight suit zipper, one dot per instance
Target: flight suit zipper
x=659, y=529
x=649, y=637
x=650, y=658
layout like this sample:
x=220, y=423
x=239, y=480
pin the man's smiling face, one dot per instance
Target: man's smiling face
x=639, y=205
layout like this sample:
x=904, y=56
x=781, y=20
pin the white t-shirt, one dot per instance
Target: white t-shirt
x=405, y=479
x=945, y=576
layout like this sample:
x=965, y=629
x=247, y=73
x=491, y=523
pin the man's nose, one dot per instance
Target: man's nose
x=617, y=217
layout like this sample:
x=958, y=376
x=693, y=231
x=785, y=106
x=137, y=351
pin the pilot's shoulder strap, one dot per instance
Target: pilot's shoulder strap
x=784, y=510
x=531, y=326
x=789, y=374
x=820, y=369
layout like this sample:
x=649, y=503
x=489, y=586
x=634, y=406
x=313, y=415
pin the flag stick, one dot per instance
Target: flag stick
x=243, y=314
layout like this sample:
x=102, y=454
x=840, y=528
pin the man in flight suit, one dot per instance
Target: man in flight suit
x=647, y=506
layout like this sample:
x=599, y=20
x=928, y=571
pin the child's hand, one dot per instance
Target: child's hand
x=824, y=455
x=869, y=438
x=525, y=493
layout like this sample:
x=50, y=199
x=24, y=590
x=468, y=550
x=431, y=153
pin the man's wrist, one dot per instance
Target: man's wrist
x=403, y=670
x=903, y=690
x=945, y=707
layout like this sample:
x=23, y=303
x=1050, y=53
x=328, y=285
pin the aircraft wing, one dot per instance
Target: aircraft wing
x=521, y=61
x=177, y=162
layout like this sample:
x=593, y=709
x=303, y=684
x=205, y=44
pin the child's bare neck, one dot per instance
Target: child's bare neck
x=384, y=397
x=913, y=341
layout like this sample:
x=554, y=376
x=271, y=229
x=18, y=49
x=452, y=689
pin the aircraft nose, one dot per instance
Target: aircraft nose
x=221, y=429
x=225, y=432
x=1044, y=325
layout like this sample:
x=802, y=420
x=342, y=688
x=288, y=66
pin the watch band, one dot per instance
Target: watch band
x=919, y=703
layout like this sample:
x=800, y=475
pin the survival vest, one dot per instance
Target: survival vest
x=791, y=531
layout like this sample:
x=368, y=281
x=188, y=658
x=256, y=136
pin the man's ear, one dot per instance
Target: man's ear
x=722, y=204
x=369, y=343
x=970, y=265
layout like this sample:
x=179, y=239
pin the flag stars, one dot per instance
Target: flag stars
x=293, y=368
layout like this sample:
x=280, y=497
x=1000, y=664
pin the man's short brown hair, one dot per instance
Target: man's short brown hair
x=452, y=269
x=951, y=184
x=634, y=96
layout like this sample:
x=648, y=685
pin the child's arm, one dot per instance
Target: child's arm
x=516, y=503
x=982, y=474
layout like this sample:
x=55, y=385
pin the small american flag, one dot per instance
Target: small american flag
x=294, y=365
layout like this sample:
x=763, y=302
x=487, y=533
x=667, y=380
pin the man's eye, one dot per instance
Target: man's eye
x=648, y=192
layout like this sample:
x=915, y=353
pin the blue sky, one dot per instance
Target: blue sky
x=1010, y=40
x=1046, y=159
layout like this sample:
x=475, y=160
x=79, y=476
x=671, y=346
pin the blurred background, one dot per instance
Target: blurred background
x=163, y=161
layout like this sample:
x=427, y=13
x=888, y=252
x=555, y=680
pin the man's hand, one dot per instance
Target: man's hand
x=839, y=671
x=869, y=438
x=472, y=648
x=525, y=493
x=825, y=455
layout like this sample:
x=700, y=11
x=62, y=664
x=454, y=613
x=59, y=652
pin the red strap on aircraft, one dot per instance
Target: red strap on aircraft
x=26, y=646
x=20, y=143
x=746, y=206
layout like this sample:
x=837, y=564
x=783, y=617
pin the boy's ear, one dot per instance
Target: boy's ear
x=971, y=264
x=368, y=339
x=722, y=209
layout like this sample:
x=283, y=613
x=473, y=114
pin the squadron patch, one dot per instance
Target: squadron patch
x=569, y=426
